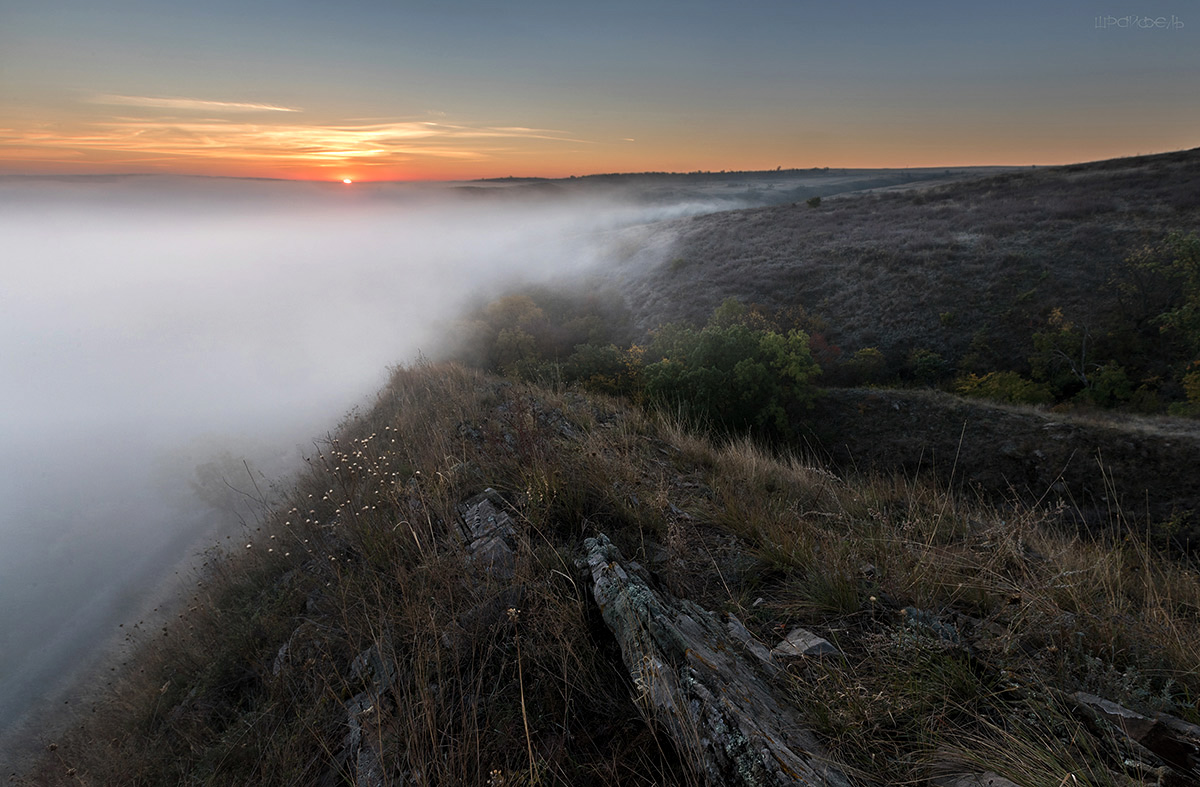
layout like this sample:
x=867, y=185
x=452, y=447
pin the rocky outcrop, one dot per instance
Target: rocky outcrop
x=488, y=534
x=802, y=642
x=1169, y=744
x=706, y=683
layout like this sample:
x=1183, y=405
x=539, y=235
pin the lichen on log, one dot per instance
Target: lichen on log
x=702, y=684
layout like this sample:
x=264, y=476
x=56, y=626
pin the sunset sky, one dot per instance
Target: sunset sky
x=390, y=89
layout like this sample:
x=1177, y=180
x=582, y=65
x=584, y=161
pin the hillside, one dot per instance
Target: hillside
x=483, y=582
x=728, y=189
x=485, y=579
x=973, y=265
x=1086, y=465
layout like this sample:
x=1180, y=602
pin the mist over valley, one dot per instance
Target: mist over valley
x=168, y=343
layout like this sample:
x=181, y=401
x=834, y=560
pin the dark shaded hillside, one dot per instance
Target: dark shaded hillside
x=1105, y=472
x=972, y=266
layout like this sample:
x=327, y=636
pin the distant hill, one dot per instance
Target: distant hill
x=978, y=261
x=729, y=189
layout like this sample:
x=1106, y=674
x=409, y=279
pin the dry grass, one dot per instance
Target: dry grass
x=960, y=625
x=1115, y=471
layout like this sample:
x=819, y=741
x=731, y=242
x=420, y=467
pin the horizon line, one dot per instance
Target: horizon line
x=543, y=178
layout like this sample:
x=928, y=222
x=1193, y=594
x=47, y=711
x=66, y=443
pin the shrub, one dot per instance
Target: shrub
x=868, y=365
x=1109, y=386
x=926, y=366
x=1003, y=387
x=1191, y=387
x=607, y=369
x=1177, y=262
x=731, y=375
x=1063, y=356
x=524, y=335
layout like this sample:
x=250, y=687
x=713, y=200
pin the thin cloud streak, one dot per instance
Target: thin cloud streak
x=187, y=103
x=282, y=142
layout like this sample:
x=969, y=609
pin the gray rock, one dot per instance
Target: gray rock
x=481, y=517
x=494, y=556
x=756, y=649
x=303, y=646
x=489, y=535
x=1171, y=739
x=368, y=771
x=374, y=669
x=363, y=714
x=802, y=642
x=703, y=684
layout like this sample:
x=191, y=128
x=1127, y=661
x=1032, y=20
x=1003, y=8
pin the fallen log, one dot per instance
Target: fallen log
x=703, y=683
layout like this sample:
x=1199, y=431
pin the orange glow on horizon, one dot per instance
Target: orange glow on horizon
x=439, y=151
x=389, y=150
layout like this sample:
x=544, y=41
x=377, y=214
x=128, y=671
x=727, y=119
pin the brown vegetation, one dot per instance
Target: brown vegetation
x=355, y=639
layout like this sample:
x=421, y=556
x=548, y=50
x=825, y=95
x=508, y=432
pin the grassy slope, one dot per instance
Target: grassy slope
x=994, y=253
x=1092, y=465
x=971, y=266
x=961, y=627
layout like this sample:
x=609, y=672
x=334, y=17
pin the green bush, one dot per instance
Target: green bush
x=1177, y=262
x=531, y=334
x=731, y=375
x=926, y=366
x=1063, y=356
x=1003, y=387
x=1109, y=386
x=607, y=369
x=1191, y=387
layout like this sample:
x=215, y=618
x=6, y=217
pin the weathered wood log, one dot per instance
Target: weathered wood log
x=704, y=682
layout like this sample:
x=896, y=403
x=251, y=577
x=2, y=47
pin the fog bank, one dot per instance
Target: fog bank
x=150, y=326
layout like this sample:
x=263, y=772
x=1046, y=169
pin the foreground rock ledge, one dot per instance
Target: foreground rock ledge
x=702, y=684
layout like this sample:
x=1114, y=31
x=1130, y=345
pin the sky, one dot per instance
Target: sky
x=404, y=90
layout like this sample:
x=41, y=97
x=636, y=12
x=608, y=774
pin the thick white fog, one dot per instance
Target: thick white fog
x=150, y=326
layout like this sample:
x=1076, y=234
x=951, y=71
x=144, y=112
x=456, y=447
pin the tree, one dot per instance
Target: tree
x=1179, y=262
x=1160, y=290
x=1063, y=355
x=730, y=374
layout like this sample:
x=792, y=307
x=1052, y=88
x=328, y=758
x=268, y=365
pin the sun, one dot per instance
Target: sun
x=347, y=181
